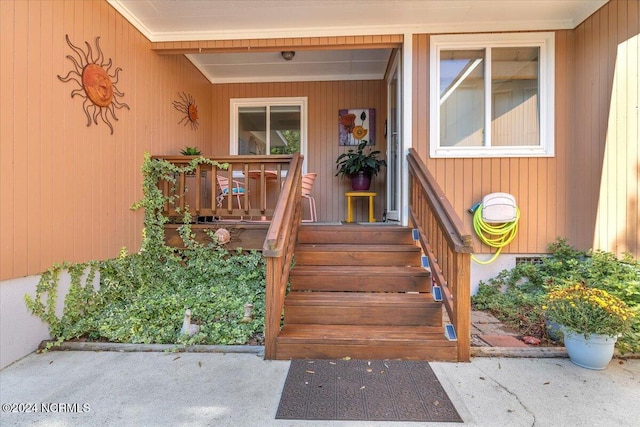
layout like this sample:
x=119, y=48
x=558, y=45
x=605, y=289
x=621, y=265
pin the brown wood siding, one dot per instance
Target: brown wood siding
x=324, y=101
x=465, y=181
x=609, y=129
x=588, y=192
x=65, y=188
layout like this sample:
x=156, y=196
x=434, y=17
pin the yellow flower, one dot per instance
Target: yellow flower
x=588, y=310
x=359, y=132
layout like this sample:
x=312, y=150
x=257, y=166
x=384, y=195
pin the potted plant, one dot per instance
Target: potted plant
x=359, y=166
x=591, y=320
x=190, y=151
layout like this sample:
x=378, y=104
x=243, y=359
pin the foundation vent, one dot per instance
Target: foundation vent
x=529, y=260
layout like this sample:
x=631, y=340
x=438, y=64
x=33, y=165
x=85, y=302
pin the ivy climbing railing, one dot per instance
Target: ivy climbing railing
x=271, y=190
x=248, y=188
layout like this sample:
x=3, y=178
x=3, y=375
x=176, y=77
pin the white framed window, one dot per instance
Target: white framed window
x=492, y=95
x=264, y=126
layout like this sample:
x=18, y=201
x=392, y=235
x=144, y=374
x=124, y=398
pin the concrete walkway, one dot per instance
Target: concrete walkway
x=87, y=388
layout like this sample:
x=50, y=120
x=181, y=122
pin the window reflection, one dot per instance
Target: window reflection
x=269, y=130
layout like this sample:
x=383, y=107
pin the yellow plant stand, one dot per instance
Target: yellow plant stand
x=351, y=194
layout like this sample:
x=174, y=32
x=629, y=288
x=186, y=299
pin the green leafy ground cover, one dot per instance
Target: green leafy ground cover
x=142, y=297
x=516, y=296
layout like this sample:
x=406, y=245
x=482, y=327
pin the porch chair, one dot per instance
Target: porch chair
x=237, y=190
x=307, y=185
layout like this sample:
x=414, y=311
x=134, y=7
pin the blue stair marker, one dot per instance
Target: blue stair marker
x=415, y=234
x=436, y=292
x=425, y=261
x=450, y=332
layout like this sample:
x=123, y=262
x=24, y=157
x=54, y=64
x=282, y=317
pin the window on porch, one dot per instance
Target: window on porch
x=264, y=126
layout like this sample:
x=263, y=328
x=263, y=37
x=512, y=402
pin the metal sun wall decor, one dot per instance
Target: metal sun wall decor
x=356, y=125
x=189, y=109
x=95, y=84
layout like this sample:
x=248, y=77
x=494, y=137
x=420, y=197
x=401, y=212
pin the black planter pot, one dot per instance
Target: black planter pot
x=360, y=181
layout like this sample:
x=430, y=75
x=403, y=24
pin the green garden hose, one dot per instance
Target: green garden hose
x=494, y=235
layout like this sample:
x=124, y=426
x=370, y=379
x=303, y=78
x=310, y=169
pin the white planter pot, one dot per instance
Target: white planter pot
x=594, y=352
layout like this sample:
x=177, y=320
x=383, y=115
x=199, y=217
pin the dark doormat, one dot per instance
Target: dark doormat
x=376, y=390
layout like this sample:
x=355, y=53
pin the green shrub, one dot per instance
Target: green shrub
x=142, y=297
x=516, y=296
x=514, y=301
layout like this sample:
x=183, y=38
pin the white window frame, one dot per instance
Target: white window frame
x=546, y=42
x=237, y=103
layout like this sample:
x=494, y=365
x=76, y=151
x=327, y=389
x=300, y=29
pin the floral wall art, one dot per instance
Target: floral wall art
x=356, y=125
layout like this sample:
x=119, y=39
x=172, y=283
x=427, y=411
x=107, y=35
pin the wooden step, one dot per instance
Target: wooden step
x=362, y=308
x=359, y=279
x=364, y=342
x=360, y=291
x=355, y=234
x=363, y=255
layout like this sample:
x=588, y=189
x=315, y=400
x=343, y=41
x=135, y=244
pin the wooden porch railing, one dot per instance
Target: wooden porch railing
x=448, y=245
x=278, y=250
x=260, y=177
x=271, y=181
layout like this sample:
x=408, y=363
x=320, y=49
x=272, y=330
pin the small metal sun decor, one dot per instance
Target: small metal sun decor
x=189, y=109
x=95, y=84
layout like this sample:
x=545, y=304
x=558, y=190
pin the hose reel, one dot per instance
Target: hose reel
x=495, y=221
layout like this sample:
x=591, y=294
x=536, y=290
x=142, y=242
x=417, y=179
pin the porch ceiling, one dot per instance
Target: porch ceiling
x=182, y=20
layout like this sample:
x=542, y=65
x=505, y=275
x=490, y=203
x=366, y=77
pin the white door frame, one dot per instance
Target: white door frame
x=406, y=125
x=393, y=134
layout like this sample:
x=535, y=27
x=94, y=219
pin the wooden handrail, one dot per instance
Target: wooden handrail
x=448, y=245
x=278, y=250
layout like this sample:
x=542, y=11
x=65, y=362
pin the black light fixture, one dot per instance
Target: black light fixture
x=288, y=55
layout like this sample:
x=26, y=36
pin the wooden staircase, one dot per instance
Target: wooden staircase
x=359, y=291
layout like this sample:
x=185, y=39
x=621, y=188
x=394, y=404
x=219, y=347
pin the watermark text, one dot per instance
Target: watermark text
x=46, y=407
